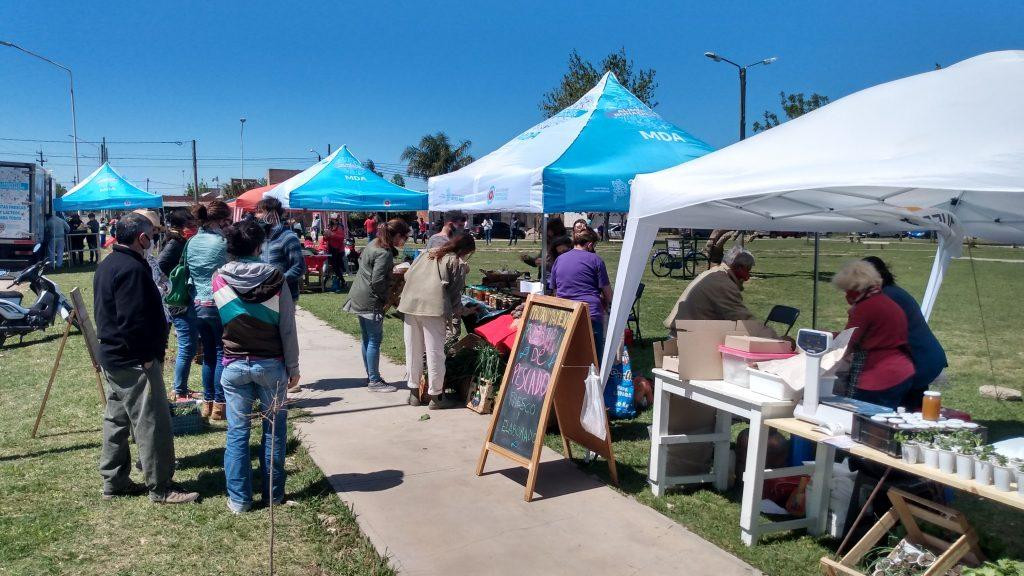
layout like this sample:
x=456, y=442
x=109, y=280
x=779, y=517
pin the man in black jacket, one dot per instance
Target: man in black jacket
x=132, y=333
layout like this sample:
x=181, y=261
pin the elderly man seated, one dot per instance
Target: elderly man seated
x=716, y=294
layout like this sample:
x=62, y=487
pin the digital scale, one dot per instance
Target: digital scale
x=831, y=414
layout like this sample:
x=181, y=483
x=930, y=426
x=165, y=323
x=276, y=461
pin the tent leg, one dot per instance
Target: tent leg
x=814, y=283
x=543, y=246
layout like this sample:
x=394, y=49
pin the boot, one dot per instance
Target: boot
x=205, y=409
x=219, y=411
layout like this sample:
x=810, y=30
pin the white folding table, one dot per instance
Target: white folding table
x=729, y=400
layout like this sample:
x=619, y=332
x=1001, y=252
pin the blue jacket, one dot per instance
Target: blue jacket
x=283, y=250
x=204, y=254
x=925, y=351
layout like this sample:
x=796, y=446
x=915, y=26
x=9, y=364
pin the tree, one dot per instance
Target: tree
x=793, y=106
x=583, y=75
x=60, y=189
x=369, y=165
x=236, y=188
x=435, y=155
x=397, y=180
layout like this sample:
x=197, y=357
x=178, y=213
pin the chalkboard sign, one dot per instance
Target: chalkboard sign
x=537, y=348
x=553, y=351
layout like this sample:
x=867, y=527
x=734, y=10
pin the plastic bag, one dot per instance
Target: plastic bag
x=593, y=417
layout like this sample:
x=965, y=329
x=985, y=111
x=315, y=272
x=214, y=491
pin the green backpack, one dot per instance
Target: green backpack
x=179, y=294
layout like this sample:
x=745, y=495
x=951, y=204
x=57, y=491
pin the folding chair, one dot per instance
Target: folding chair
x=783, y=315
x=634, y=314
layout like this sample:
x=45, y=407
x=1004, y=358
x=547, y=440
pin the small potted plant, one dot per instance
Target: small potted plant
x=489, y=371
x=1002, y=472
x=929, y=451
x=967, y=442
x=983, y=464
x=947, y=459
x=908, y=447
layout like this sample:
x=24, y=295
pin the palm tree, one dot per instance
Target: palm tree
x=435, y=156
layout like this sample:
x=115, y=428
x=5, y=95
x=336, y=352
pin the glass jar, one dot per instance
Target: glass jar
x=932, y=405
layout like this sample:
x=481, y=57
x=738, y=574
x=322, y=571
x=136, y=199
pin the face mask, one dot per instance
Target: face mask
x=852, y=296
x=741, y=273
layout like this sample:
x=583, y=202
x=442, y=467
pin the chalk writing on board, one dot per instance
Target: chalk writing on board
x=529, y=378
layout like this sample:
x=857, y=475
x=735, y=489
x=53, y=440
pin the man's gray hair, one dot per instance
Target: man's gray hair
x=130, y=227
x=739, y=257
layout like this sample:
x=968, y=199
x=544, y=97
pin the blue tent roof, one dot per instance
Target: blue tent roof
x=623, y=138
x=105, y=189
x=340, y=182
x=581, y=159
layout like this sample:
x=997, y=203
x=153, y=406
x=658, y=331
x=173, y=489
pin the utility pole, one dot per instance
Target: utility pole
x=42, y=161
x=147, y=184
x=103, y=151
x=328, y=148
x=195, y=172
x=241, y=151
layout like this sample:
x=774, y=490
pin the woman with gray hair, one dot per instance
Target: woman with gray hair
x=881, y=371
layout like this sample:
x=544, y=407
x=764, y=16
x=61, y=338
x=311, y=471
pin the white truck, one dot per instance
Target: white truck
x=26, y=193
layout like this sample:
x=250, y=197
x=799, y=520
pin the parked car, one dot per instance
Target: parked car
x=617, y=231
x=500, y=230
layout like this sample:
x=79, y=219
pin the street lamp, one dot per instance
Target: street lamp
x=241, y=149
x=743, y=85
x=318, y=157
x=71, y=79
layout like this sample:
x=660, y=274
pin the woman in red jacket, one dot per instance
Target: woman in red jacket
x=881, y=371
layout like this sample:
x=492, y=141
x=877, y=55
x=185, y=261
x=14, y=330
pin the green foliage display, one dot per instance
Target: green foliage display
x=1001, y=568
x=583, y=75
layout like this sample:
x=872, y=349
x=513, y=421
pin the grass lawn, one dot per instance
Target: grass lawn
x=52, y=520
x=994, y=355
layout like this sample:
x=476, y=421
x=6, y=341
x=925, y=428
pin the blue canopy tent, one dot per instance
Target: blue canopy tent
x=105, y=189
x=581, y=160
x=340, y=182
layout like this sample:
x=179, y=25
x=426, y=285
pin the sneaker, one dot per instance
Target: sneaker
x=442, y=402
x=414, y=398
x=130, y=489
x=296, y=388
x=380, y=386
x=174, y=494
x=238, y=508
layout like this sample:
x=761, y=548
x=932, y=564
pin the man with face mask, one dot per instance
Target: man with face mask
x=132, y=333
x=281, y=248
x=716, y=294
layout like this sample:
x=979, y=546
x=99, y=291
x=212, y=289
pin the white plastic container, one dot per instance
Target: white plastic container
x=774, y=386
x=735, y=363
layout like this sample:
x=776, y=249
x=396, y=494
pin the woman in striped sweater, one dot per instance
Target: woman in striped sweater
x=261, y=360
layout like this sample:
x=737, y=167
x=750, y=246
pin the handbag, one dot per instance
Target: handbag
x=179, y=294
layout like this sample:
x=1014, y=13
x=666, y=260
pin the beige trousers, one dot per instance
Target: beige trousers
x=425, y=335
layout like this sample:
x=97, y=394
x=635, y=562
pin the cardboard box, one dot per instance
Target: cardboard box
x=693, y=354
x=758, y=344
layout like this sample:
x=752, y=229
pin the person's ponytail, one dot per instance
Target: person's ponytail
x=389, y=233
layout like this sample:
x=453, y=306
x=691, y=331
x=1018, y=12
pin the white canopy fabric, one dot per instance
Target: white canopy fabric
x=941, y=150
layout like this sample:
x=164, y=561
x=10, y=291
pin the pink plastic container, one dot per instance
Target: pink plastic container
x=735, y=363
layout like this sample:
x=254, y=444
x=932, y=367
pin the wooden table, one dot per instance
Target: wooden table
x=803, y=429
x=730, y=400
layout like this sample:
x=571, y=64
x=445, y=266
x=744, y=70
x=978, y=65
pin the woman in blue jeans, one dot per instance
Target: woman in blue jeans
x=184, y=317
x=205, y=253
x=261, y=359
x=369, y=293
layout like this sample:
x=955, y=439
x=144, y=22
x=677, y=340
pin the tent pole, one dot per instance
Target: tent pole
x=543, y=245
x=814, y=280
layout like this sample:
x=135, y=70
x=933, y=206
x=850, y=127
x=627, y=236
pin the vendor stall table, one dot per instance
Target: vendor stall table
x=728, y=400
x=803, y=429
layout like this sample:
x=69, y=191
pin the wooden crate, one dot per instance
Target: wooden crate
x=481, y=397
x=906, y=510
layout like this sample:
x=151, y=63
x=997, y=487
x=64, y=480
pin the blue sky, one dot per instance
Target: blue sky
x=378, y=75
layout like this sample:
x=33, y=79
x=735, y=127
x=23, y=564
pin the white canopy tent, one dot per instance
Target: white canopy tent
x=941, y=150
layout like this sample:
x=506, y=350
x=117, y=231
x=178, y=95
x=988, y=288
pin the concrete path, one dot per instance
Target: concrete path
x=412, y=485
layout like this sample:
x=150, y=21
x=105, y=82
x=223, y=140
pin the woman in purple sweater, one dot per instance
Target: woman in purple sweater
x=581, y=275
